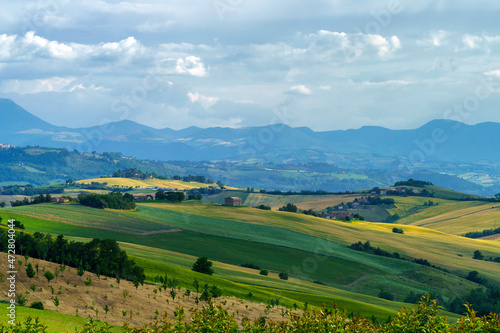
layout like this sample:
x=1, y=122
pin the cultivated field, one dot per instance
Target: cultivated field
x=152, y=182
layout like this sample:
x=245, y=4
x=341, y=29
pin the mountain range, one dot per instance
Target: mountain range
x=439, y=141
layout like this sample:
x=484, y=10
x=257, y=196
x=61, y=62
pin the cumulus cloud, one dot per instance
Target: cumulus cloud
x=494, y=73
x=205, y=101
x=191, y=65
x=54, y=84
x=31, y=46
x=474, y=41
x=300, y=89
x=435, y=39
x=351, y=46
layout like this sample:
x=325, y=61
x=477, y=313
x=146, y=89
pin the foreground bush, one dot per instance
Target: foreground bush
x=424, y=318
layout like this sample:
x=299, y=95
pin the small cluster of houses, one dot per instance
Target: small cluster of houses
x=5, y=146
x=336, y=215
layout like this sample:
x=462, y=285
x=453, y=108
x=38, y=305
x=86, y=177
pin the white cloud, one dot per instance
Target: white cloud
x=191, y=65
x=435, y=39
x=31, y=46
x=300, y=89
x=205, y=101
x=495, y=73
x=389, y=82
x=54, y=84
x=474, y=41
x=351, y=46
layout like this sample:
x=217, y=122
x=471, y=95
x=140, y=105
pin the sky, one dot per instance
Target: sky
x=324, y=64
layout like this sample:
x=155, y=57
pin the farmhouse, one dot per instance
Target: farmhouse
x=142, y=197
x=233, y=201
x=63, y=200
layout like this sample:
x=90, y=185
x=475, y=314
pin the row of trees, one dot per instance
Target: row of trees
x=484, y=233
x=34, y=200
x=113, y=200
x=170, y=196
x=30, y=190
x=135, y=173
x=100, y=256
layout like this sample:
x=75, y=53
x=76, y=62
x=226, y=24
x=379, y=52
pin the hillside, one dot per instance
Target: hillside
x=126, y=304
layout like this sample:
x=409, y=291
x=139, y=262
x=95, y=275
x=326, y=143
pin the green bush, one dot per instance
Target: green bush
x=37, y=305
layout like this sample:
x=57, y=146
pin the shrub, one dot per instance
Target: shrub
x=398, y=230
x=386, y=295
x=37, y=305
x=283, y=276
x=264, y=272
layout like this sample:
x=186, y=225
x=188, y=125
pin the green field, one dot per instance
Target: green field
x=167, y=238
x=55, y=322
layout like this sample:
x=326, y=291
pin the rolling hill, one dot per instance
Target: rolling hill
x=310, y=249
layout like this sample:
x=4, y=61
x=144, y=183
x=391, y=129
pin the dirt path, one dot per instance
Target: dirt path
x=159, y=232
x=363, y=277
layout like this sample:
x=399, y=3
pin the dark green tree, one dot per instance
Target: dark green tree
x=203, y=265
x=30, y=272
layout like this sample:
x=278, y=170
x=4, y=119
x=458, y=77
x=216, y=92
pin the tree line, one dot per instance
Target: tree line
x=34, y=200
x=484, y=233
x=100, y=256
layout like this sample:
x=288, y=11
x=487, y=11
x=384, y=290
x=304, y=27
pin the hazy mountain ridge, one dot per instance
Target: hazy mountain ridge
x=439, y=146
x=437, y=141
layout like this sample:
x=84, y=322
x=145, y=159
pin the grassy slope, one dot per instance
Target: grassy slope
x=56, y=322
x=282, y=229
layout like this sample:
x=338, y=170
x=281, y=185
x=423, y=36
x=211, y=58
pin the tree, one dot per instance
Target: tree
x=30, y=272
x=48, y=275
x=474, y=277
x=289, y=208
x=56, y=302
x=478, y=255
x=203, y=265
x=2, y=204
x=264, y=272
x=283, y=276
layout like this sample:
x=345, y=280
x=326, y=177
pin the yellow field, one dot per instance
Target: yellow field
x=152, y=182
x=316, y=202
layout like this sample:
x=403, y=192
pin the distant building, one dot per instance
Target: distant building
x=383, y=192
x=63, y=200
x=336, y=215
x=233, y=201
x=142, y=197
x=355, y=205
